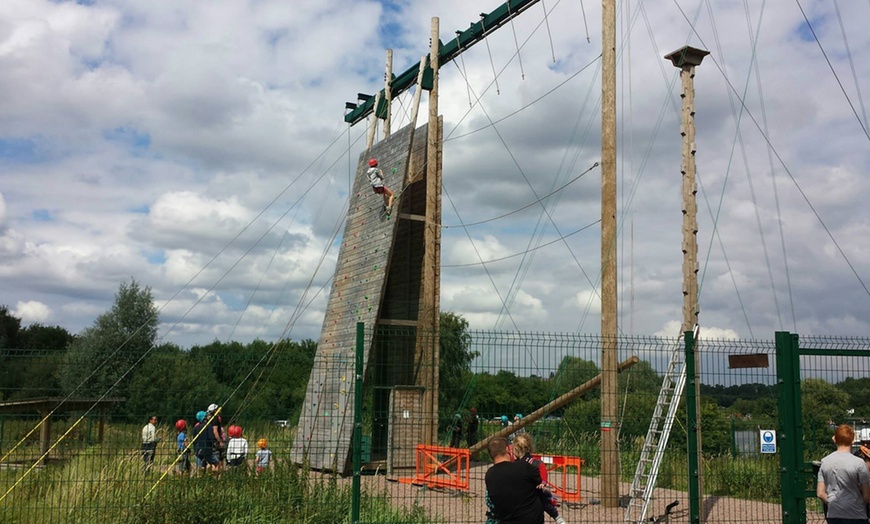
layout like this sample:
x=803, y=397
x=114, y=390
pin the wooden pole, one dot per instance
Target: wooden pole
x=609, y=310
x=690, y=245
x=550, y=407
x=45, y=435
x=428, y=321
x=411, y=174
x=686, y=58
x=388, y=95
x=374, y=127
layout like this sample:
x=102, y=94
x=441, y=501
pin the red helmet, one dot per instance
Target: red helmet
x=235, y=431
x=373, y=162
x=180, y=425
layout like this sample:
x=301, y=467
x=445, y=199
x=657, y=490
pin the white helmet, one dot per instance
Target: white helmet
x=212, y=408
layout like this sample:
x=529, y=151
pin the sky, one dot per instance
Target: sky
x=200, y=149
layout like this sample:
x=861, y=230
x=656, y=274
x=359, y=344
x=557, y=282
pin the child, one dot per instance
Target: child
x=376, y=179
x=237, y=447
x=183, y=464
x=264, y=456
x=523, y=451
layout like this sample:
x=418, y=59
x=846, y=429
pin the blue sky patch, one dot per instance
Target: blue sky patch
x=156, y=258
x=805, y=33
x=41, y=215
x=133, y=138
x=144, y=209
x=19, y=150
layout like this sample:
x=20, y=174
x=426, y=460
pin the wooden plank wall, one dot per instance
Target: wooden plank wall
x=369, y=253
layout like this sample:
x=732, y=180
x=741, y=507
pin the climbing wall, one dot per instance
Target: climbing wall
x=323, y=437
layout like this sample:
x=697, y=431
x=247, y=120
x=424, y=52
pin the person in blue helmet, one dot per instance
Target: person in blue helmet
x=203, y=445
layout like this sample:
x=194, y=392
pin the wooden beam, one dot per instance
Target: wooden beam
x=550, y=407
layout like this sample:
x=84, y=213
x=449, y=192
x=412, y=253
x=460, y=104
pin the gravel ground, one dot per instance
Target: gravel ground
x=454, y=506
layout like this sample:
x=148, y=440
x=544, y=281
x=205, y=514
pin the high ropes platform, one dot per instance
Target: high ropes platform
x=377, y=281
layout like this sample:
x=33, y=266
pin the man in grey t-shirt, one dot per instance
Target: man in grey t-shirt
x=843, y=482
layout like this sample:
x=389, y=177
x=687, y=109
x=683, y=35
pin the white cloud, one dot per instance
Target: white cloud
x=32, y=311
x=139, y=140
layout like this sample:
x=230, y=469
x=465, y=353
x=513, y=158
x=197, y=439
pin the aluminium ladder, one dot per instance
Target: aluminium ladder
x=656, y=440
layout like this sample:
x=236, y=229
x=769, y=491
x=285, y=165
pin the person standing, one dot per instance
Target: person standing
x=843, y=481
x=203, y=444
x=455, y=431
x=512, y=487
x=237, y=447
x=264, y=456
x=149, y=441
x=471, y=428
x=182, y=444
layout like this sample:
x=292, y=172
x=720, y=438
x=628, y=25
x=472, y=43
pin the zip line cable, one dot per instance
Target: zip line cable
x=787, y=171
x=146, y=353
x=851, y=62
x=530, y=204
x=523, y=108
x=770, y=163
x=738, y=139
x=541, y=246
x=833, y=71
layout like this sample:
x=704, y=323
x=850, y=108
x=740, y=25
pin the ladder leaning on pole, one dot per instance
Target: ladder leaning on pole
x=656, y=441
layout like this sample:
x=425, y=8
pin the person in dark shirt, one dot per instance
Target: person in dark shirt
x=512, y=487
x=455, y=431
x=471, y=428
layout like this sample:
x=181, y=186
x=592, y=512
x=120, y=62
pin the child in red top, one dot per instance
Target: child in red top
x=523, y=447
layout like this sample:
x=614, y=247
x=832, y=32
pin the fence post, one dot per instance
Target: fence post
x=789, y=432
x=692, y=425
x=357, y=424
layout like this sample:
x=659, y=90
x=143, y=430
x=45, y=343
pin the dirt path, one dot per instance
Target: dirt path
x=452, y=506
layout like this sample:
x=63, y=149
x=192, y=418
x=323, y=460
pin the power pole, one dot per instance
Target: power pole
x=686, y=58
x=609, y=307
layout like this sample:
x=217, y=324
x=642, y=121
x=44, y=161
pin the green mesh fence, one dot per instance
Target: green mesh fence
x=82, y=460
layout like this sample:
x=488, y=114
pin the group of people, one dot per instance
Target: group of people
x=472, y=421
x=213, y=447
x=516, y=483
x=843, y=482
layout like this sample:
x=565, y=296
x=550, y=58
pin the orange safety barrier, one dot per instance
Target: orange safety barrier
x=441, y=467
x=564, y=466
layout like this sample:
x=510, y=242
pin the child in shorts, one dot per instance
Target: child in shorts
x=264, y=456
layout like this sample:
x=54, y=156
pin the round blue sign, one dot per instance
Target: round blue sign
x=767, y=436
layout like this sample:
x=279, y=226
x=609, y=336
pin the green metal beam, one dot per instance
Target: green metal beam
x=446, y=52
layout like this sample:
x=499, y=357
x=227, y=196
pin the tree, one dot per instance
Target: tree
x=29, y=366
x=454, y=368
x=106, y=352
x=821, y=402
x=10, y=325
x=37, y=336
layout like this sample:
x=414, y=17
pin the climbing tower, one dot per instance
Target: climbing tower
x=377, y=281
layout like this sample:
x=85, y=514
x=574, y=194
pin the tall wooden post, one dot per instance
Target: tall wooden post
x=388, y=96
x=609, y=401
x=45, y=435
x=686, y=58
x=428, y=323
x=374, y=127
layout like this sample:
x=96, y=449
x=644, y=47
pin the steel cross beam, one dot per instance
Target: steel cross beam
x=446, y=52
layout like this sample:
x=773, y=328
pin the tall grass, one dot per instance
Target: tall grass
x=100, y=487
